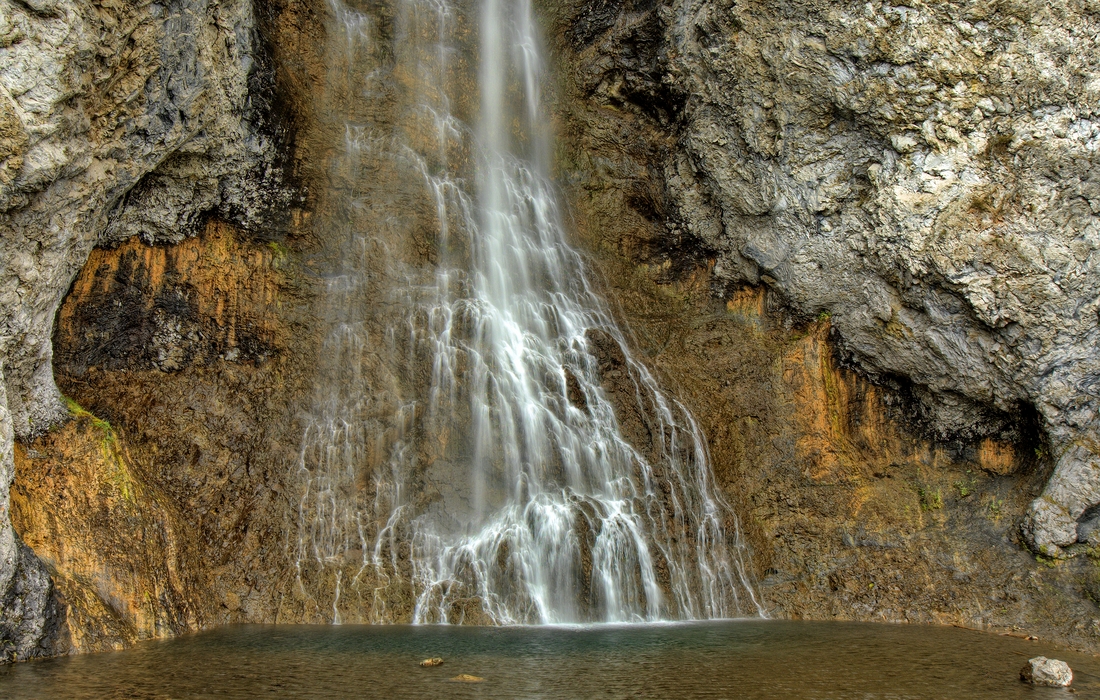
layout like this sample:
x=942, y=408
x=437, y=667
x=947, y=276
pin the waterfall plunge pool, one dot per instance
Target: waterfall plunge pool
x=722, y=659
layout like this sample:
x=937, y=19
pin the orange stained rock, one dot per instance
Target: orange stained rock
x=80, y=507
x=996, y=457
x=227, y=280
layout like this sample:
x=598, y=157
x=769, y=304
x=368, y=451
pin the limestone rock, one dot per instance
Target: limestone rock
x=116, y=119
x=1048, y=672
x=924, y=176
x=432, y=662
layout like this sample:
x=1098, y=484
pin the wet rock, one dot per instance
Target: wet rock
x=429, y=663
x=116, y=120
x=467, y=678
x=1047, y=672
x=875, y=165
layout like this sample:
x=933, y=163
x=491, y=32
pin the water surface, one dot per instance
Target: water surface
x=730, y=659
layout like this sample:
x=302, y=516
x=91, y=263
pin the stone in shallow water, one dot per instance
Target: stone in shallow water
x=467, y=678
x=1050, y=672
x=435, y=661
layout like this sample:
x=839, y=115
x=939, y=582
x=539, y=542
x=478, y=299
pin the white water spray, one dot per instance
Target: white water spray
x=530, y=470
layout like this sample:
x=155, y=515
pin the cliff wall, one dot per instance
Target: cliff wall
x=117, y=120
x=923, y=174
x=857, y=239
x=757, y=185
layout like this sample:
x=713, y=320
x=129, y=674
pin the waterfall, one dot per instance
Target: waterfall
x=483, y=447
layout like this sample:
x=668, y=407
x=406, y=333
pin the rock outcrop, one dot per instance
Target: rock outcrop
x=117, y=119
x=862, y=496
x=925, y=175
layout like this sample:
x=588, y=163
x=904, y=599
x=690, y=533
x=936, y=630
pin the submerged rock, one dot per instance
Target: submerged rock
x=467, y=678
x=1048, y=672
x=435, y=661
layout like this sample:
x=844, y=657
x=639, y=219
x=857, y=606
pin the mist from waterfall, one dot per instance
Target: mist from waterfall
x=483, y=447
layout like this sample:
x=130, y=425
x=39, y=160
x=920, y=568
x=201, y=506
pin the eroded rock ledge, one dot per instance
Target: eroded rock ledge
x=924, y=174
x=117, y=119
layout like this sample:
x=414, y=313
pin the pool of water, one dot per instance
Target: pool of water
x=732, y=659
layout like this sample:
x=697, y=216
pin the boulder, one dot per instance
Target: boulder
x=435, y=661
x=1049, y=672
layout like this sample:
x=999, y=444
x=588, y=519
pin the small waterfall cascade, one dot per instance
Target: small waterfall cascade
x=483, y=448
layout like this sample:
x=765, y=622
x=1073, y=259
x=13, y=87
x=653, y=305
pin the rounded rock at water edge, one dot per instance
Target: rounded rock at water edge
x=1047, y=672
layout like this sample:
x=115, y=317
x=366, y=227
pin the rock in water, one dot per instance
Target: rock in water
x=467, y=678
x=1050, y=672
x=435, y=661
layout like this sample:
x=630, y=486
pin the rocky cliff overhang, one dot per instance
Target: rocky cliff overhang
x=925, y=175
x=117, y=119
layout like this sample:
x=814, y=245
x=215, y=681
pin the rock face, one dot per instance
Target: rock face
x=116, y=119
x=29, y=619
x=927, y=177
x=763, y=188
x=1049, y=672
x=157, y=510
x=924, y=175
x=863, y=498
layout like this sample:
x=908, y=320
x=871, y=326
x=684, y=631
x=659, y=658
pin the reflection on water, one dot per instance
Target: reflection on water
x=739, y=659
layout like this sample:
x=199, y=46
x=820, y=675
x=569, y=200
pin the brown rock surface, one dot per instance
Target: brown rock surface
x=162, y=507
x=856, y=510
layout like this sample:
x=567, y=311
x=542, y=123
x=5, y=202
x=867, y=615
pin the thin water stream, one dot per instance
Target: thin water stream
x=760, y=660
x=483, y=447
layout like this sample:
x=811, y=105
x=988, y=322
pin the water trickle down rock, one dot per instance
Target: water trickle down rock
x=537, y=483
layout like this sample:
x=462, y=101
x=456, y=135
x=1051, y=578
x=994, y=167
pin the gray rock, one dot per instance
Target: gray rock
x=932, y=186
x=1047, y=672
x=116, y=120
x=1088, y=527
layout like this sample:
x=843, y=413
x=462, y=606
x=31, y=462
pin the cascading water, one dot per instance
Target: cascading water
x=483, y=448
